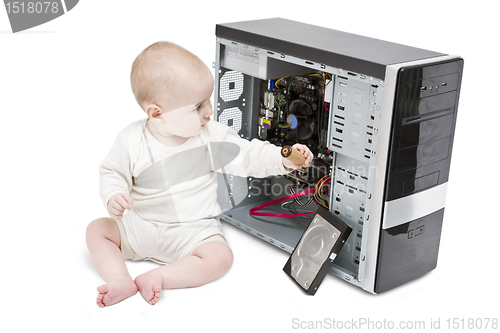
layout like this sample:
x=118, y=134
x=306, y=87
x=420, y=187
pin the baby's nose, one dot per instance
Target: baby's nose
x=208, y=112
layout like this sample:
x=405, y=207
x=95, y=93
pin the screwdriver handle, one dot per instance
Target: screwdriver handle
x=294, y=155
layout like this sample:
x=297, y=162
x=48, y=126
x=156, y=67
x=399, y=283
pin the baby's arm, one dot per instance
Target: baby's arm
x=116, y=178
x=255, y=158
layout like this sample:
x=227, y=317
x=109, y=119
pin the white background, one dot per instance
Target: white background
x=65, y=94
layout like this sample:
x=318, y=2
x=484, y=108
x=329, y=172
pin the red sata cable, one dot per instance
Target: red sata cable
x=254, y=210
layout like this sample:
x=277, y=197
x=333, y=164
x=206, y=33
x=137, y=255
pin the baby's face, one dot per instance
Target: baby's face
x=190, y=109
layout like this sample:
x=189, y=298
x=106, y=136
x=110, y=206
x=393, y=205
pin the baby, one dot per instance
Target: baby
x=161, y=170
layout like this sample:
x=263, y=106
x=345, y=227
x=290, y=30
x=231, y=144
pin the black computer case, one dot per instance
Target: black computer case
x=380, y=118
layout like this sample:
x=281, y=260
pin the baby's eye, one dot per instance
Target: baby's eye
x=199, y=107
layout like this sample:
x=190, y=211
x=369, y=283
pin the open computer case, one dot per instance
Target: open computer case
x=379, y=117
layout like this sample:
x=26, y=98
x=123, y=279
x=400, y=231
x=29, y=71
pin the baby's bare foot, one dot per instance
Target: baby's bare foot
x=115, y=291
x=149, y=284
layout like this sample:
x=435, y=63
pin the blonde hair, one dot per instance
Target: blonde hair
x=156, y=69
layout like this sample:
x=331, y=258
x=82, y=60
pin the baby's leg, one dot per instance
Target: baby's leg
x=103, y=242
x=208, y=262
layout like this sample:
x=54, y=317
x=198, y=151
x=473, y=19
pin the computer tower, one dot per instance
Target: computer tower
x=380, y=118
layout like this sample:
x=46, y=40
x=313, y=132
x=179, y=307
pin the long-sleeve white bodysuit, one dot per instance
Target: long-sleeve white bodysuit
x=174, y=189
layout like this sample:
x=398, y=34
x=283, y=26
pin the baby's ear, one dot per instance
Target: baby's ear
x=154, y=112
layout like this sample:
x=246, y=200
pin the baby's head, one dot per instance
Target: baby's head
x=164, y=73
x=167, y=77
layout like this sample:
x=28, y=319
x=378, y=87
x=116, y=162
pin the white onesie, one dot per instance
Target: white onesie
x=174, y=189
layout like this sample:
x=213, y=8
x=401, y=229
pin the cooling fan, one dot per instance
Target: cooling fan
x=301, y=120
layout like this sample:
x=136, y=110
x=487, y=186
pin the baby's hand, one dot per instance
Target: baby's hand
x=304, y=150
x=117, y=205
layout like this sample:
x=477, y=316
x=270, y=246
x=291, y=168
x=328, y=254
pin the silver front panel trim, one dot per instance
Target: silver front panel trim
x=368, y=281
x=414, y=206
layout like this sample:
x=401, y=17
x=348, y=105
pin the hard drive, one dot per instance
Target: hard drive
x=316, y=250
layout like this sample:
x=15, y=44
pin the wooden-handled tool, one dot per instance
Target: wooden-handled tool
x=293, y=155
